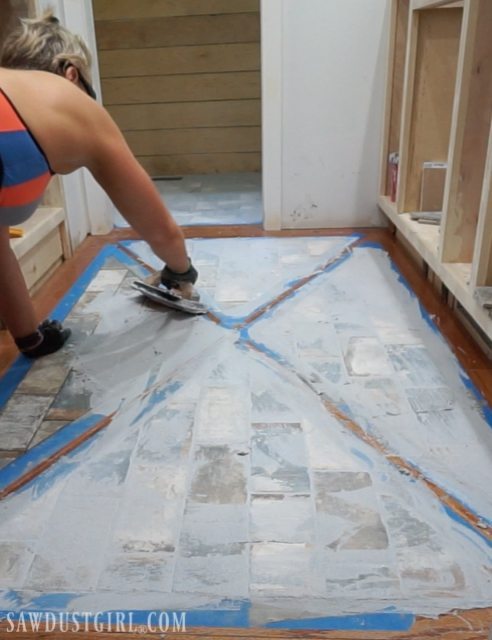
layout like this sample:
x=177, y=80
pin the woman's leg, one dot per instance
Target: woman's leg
x=16, y=308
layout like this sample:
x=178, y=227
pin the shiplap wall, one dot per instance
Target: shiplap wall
x=182, y=80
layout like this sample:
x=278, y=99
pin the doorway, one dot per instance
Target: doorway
x=183, y=82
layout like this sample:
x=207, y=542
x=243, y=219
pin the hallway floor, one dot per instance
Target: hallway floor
x=214, y=199
x=310, y=455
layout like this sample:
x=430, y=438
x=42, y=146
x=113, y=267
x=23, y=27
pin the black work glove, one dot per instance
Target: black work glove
x=172, y=280
x=49, y=337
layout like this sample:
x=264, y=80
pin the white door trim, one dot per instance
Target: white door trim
x=272, y=112
x=87, y=207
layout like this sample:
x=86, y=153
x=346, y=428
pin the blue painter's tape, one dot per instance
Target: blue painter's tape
x=227, y=614
x=74, y=294
x=156, y=397
x=457, y=518
x=14, y=376
x=128, y=261
x=368, y=622
x=52, y=601
x=484, y=406
x=16, y=469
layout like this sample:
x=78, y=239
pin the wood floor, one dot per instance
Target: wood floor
x=459, y=625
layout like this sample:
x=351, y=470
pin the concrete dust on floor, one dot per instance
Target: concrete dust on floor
x=227, y=479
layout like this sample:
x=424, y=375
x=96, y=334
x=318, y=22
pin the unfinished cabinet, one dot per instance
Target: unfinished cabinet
x=436, y=145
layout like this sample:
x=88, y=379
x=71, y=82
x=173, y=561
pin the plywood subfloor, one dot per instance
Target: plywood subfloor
x=258, y=398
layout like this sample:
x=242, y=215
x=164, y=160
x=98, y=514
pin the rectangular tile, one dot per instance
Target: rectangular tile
x=207, y=527
x=278, y=459
x=367, y=357
x=219, y=476
x=141, y=572
x=223, y=573
x=281, y=569
x=223, y=416
x=15, y=560
x=348, y=517
x=279, y=518
x=20, y=419
x=70, y=553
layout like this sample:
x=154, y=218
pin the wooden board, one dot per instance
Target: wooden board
x=469, y=134
x=180, y=31
x=432, y=58
x=40, y=260
x=187, y=66
x=165, y=165
x=178, y=115
x=396, y=83
x=184, y=141
x=482, y=259
x=179, y=60
x=121, y=9
x=187, y=88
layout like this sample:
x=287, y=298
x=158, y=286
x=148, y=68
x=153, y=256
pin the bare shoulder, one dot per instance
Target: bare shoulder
x=62, y=118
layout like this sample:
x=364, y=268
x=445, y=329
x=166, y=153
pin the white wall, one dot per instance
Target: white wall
x=332, y=99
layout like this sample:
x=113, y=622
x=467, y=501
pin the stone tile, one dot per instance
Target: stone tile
x=103, y=476
x=334, y=482
x=219, y=476
x=279, y=459
x=267, y=407
x=280, y=518
x=406, y=529
x=107, y=279
x=367, y=357
x=71, y=552
x=20, y=419
x=5, y=458
x=414, y=366
x=209, y=527
x=223, y=573
x=281, y=569
x=15, y=559
x=348, y=517
x=223, y=416
x=74, y=396
x=24, y=517
x=141, y=572
x=44, y=378
x=146, y=523
x=83, y=303
x=430, y=400
x=47, y=429
x=425, y=572
x=357, y=581
x=81, y=327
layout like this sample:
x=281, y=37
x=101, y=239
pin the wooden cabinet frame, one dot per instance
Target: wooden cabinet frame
x=439, y=109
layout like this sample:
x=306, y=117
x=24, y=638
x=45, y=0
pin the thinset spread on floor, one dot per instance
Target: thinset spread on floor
x=309, y=455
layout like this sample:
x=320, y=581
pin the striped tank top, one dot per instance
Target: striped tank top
x=24, y=169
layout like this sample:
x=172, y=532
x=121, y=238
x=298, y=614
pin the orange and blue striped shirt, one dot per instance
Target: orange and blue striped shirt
x=24, y=169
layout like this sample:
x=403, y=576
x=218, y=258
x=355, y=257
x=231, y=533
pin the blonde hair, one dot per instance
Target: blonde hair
x=45, y=45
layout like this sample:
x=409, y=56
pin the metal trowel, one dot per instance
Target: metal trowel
x=167, y=298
